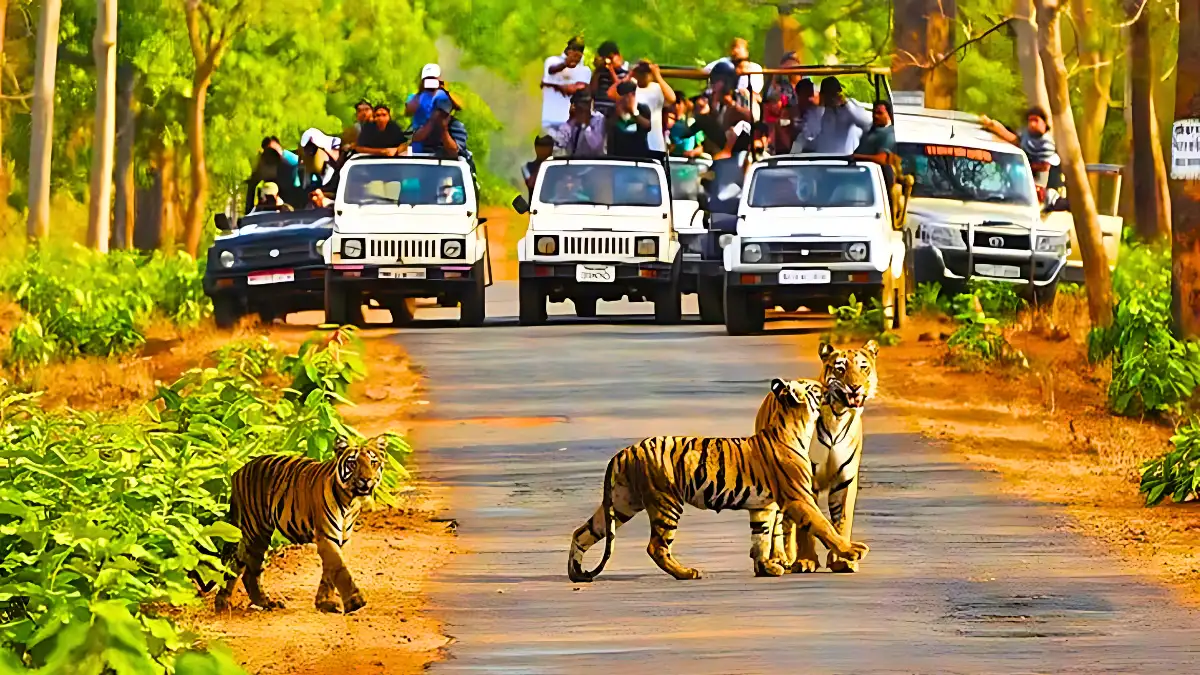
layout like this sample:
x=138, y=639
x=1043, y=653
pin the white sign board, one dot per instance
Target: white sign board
x=908, y=99
x=1185, y=150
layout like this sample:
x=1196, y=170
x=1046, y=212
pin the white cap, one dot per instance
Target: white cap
x=431, y=70
x=321, y=139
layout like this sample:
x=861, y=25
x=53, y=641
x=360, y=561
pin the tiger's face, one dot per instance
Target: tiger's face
x=798, y=399
x=360, y=469
x=849, y=374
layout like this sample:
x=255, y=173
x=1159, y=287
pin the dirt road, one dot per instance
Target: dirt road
x=960, y=579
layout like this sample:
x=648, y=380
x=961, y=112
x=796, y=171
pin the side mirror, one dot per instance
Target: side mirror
x=222, y=222
x=482, y=221
x=520, y=205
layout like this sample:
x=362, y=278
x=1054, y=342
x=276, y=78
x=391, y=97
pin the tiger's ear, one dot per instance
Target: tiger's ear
x=381, y=443
x=784, y=393
x=825, y=350
x=872, y=348
x=341, y=445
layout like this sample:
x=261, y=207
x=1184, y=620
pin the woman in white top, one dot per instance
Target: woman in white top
x=654, y=93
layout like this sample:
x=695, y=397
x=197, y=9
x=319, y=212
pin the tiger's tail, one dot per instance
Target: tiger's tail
x=574, y=568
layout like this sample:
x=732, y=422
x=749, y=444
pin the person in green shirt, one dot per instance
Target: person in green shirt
x=878, y=144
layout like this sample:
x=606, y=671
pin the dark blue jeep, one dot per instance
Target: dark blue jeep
x=269, y=263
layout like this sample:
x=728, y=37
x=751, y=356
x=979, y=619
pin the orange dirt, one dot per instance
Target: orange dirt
x=505, y=228
x=1047, y=431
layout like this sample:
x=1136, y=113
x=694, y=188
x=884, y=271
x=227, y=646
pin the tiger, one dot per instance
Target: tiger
x=661, y=474
x=850, y=380
x=307, y=501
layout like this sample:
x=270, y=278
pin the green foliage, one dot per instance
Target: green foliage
x=1177, y=473
x=927, y=299
x=105, y=518
x=852, y=322
x=996, y=298
x=1152, y=370
x=79, y=302
x=978, y=340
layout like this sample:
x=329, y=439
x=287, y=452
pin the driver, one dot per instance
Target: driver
x=569, y=189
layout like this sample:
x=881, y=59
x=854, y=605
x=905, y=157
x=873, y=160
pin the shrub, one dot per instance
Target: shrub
x=978, y=339
x=1177, y=473
x=852, y=322
x=996, y=298
x=926, y=300
x=1152, y=370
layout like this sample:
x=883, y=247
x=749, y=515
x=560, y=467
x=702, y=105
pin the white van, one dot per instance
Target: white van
x=599, y=229
x=406, y=228
x=974, y=211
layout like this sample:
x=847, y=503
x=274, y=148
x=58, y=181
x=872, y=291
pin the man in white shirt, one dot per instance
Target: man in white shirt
x=654, y=93
x=750, y=78
x=836, y=126
x=562, y=76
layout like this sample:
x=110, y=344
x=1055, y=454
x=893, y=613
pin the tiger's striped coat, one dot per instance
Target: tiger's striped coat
x=662, y=474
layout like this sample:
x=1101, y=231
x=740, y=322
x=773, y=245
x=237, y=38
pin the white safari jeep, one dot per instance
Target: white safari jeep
x=974, y=211
x=406, y=228
x=813, y=230
x=599, y=229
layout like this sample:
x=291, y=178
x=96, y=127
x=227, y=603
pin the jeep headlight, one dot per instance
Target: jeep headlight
x=453, y=248
x=752, y=253
x=645, y=246
x=321, y=246
x=352, y=248
x=546, y=245
x=857, y=252
x=942, y=236
x=226, y=259
x=724, y=240
x=1051, y=243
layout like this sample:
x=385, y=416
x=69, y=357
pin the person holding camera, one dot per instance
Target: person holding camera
x=583, y=135
x=629, y=125
x=836, y=126
x=609, y=69
x=563, y=76
x=444, y=135
x=654, y=93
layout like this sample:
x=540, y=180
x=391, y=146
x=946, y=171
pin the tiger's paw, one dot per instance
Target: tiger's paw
x=355, y=602
x=267, y=602
x=767, y=568
x=856, y=551
x=806, y=566
x=840, y=566
x=328, y=605
x=689, y=573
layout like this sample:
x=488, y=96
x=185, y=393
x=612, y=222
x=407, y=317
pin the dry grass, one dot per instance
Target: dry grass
x=1048, y=432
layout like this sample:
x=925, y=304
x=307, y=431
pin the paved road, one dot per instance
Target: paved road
x=959, y=580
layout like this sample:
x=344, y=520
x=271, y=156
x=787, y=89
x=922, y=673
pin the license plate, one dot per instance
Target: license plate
x=1002, y=271
x=402, y=273
x=804, y=276
x=595, y=273
x=272, y=277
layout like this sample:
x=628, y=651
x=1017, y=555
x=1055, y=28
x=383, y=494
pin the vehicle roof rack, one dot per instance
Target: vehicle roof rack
x=1104, y=168
x=613, y=158
x=808, y=157
x=819, y=70
x=930, y=113
x=424, y=156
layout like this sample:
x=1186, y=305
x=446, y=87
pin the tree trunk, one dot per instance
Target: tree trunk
x=941, y=83
x=104, y=48
x=1079, y=191
x=198, y=198
x=1032, y=79
x=168, y=236
x=1185, y=183
x=784, y=36
x=909, y=39
x=125, y=204
x=1095, y=79
x=40, y=146
x=1150, y=215
x=5, y=182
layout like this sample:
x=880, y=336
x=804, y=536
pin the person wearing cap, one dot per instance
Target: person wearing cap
x=609, y=68
x=563, y=76
x=750, y=80
x=836, y=125
x=321, y=155
x=654, y=93
x=382, y=136
x=629, y=126
x=269, y=201
x=543, y=148
x=444, y=134
x=277, y=165
x=583, y=134
x=420, y=106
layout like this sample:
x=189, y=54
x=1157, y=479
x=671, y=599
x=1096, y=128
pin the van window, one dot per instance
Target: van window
x=812, y=185
x=685, y=181
x=968, y=174
x=601, y=185
x=404, y=183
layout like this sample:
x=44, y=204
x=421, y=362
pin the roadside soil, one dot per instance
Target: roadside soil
x=1046, y=430
x=392, y=554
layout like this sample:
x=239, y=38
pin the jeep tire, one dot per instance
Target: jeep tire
x=472, y=304
x=531, y=303
x=585, y=308
x=709, y=291
x=744, y=311
x=343, y=306
x=227, y=309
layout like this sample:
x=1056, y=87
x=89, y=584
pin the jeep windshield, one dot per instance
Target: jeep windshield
x=600, y=185
x=812, y=186
x=408, y=183
x=968, y=174
x=284, y=218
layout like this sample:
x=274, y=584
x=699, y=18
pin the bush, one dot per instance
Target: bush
x=996, y=298
x=927, y=300
x=1152, y=370
x=852, y=322
x=1177, y=473
x=978, y=339
x=79, y=302
x=105, y=518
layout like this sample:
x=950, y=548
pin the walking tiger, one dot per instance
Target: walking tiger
x=661, y=474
